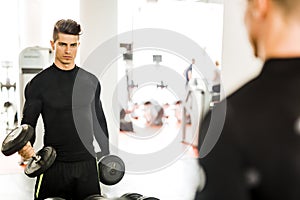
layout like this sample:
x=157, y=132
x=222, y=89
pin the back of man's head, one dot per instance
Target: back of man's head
x=289, y=7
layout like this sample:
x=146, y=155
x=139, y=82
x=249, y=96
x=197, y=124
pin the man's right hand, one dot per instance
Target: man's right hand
x=27, y=151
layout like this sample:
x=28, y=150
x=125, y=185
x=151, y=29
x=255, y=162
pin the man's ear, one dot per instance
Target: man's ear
x=261, y=8
x=52, y=43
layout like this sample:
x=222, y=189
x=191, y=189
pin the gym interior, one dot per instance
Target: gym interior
x=139, y=50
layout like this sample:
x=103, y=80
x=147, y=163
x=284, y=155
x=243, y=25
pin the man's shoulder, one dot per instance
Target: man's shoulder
x=85, y=75
x=41, y=76
x=86, y=72
x=246, y=91
x=39, y=82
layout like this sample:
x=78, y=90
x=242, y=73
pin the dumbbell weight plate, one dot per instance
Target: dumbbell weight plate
x=95, y=197
x=111, y=169
x=99, y=197
x=17, y=139
x=132, y=196
x=46, y=157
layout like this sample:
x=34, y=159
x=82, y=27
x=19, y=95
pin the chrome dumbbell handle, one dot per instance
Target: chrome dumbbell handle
x=37, y=158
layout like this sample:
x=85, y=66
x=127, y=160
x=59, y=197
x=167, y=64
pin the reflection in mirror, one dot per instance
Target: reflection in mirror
x=201, y=22
x=165, y=84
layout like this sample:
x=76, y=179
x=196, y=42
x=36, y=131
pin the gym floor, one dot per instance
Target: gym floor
x=177, y=181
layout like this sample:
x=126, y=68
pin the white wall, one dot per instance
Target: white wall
x=239, y=65
x=99, y=21
x=9, y=29
x=37, y=19
x=200, y=22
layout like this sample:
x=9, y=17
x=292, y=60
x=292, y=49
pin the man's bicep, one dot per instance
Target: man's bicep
x=32, y=106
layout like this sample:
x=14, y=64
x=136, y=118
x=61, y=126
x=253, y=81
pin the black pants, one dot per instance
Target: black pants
x=68, y=180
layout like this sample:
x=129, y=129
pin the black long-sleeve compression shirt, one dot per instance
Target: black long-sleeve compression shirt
x=257, y=154
x=69, y=102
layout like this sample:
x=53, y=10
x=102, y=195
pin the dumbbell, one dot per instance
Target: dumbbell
x=147, y=198
x=92, y=197
x=111, y=169
x=99, y=197
x=17, y=139
x=132, y=196
x=137, y=196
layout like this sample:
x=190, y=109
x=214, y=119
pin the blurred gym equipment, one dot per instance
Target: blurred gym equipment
x=197, y=103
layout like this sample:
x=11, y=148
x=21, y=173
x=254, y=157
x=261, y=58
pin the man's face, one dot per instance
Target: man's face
x=66, y=49
x=251, y=26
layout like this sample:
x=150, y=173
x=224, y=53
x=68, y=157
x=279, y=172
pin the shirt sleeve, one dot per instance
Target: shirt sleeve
x=32, y=107
x=99, y=123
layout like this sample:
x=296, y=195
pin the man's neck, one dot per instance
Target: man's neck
x=283, y=40
x=64, y=66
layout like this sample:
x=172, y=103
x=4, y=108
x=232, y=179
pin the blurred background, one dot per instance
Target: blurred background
x=147, y=99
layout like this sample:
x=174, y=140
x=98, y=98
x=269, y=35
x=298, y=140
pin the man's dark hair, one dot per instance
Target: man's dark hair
x=288, y=6
x=66, y=26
